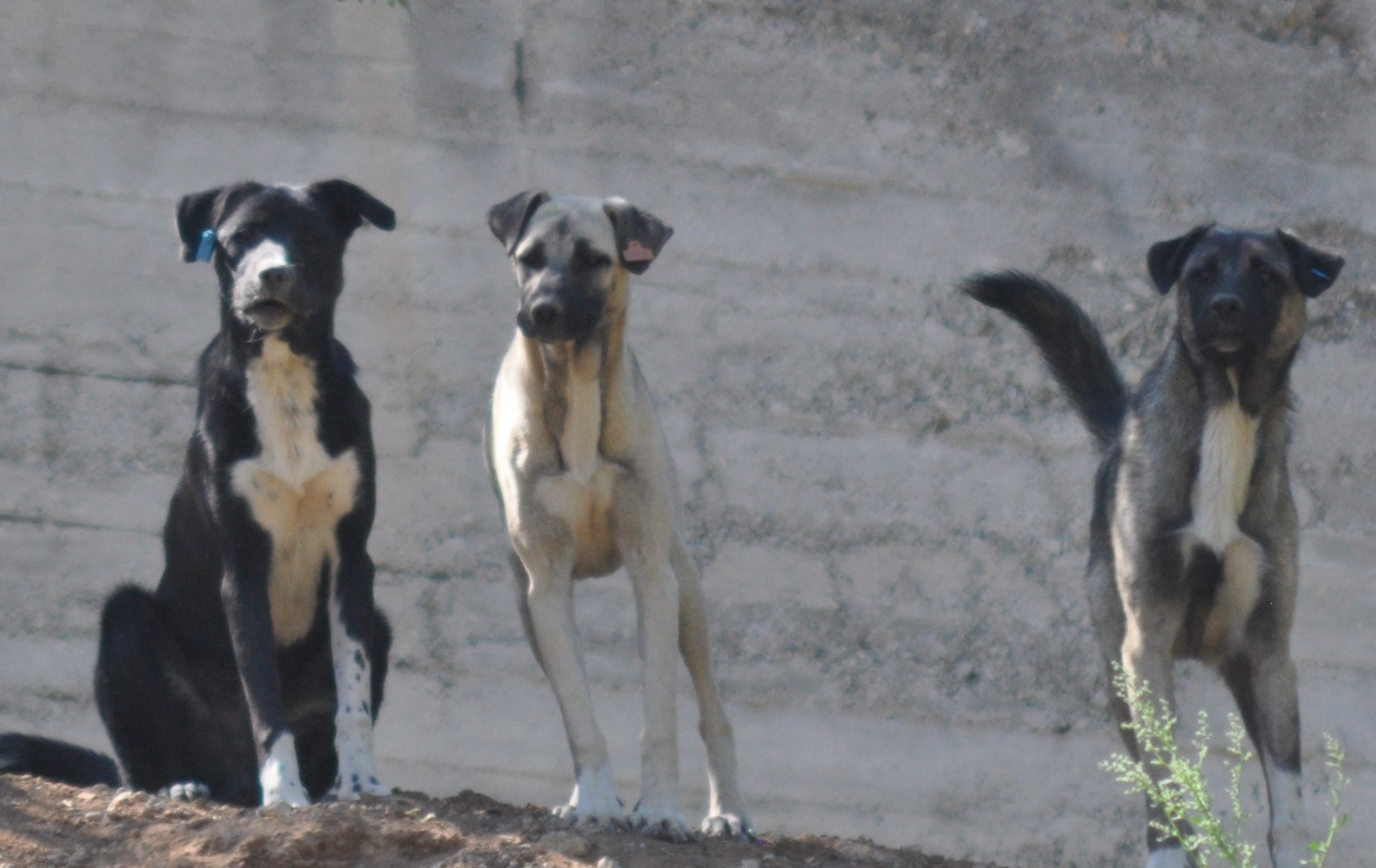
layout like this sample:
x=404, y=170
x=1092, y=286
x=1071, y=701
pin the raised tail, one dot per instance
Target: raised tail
x=56, y=761
x=1069, y=342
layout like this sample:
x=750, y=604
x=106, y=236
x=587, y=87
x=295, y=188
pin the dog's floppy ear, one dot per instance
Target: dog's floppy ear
x=1314, y=269
x=1165, y=259
x=508, y=219
x=350, y=205
x=640, y=235
x=198, y=212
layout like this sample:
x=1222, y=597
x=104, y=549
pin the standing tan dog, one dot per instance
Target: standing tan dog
x=580, y=465
x=1194, y=541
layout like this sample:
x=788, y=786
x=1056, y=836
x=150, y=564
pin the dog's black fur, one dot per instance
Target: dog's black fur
x=192, y=681
x=1194, y=537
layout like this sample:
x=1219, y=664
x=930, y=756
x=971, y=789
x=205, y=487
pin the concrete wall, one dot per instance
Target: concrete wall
x=887, y=495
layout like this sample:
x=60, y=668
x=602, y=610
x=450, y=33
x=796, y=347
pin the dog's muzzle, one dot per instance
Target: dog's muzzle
x=273, y=300
x=1225, y=327
x=548, y=318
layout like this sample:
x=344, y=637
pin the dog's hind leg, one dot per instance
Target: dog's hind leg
x=173, y=721
x=1266, y=691
x=547, y=608
x=726, y=814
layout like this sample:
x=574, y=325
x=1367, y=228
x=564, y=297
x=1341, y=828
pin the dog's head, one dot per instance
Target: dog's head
x=571, y=254
x=278, y=251
x=1241, y=294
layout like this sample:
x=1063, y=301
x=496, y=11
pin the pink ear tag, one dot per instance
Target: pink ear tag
x=637, y=252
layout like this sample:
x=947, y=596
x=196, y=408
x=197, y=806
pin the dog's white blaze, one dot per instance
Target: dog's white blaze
x=1226, y=455
x=582, y=434
x=280, y=777
x=262, y=256
x=353, y=722
x=295, y=490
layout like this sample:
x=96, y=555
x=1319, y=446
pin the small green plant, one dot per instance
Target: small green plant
x=1180, y=789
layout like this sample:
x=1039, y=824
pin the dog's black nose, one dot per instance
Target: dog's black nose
x=277, y=279
x=1226, y=307
x=546, y=312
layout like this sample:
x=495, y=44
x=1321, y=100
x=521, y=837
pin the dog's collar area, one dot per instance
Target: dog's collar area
x=207, y=247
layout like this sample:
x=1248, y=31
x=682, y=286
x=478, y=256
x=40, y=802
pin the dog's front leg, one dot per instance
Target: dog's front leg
x=548, y=601
x=351, y=621
x=1148, y=565
x=244, y=592
x=657, y=609
x=1148, y=663
x=726, y=813
x=1264, y=683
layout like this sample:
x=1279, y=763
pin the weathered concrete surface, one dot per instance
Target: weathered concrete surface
x=887, y=495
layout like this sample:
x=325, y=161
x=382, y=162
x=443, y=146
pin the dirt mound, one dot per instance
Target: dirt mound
x=45, y=824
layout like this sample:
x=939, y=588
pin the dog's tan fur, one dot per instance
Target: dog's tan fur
x=587, y=485
x=296, y=492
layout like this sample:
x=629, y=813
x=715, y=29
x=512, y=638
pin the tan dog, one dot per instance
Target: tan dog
x=580, y=465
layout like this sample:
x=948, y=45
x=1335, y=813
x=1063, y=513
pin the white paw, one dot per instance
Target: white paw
x=594, y=802
x=729, y=826
x=350, y=787
x=667, y=823
x=357, y=768
x=279, y=777
x=186, y=791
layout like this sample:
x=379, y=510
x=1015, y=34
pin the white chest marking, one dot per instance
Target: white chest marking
x=294, y=489
x=1226, y=456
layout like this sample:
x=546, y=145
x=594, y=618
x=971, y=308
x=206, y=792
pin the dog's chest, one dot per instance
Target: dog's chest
x=296, y=492
x=585, y=508
x=1227, y=454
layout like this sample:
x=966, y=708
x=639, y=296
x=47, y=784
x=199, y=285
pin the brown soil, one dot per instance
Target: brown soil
x=45, y=824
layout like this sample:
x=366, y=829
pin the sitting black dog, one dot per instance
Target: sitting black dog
x=254, y=672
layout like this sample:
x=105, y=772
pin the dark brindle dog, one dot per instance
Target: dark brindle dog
x=255, y=670
x=1194, y=538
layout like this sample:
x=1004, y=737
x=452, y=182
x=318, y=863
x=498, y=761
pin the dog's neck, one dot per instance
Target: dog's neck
x=309, y=336
x=1241, y=398
x=1255, y=382
x=581, y=385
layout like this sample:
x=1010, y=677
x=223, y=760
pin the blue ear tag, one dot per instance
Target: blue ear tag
x=1319, y=274
x=207, y=246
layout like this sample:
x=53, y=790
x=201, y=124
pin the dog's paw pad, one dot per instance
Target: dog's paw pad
x=186, y=791
x=606, y=822
x=730, y=826
x=667, y=825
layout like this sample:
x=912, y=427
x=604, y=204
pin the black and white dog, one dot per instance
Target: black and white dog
x=255, y=670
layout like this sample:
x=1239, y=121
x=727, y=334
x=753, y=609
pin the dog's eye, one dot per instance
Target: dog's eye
x=592, y=260
x=247, y=236
x=533, y=259
x=1204, y=273
x=1265, y=274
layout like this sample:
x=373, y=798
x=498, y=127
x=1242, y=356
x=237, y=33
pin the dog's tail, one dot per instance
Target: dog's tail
x=56, y=761
x=1069, y=342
